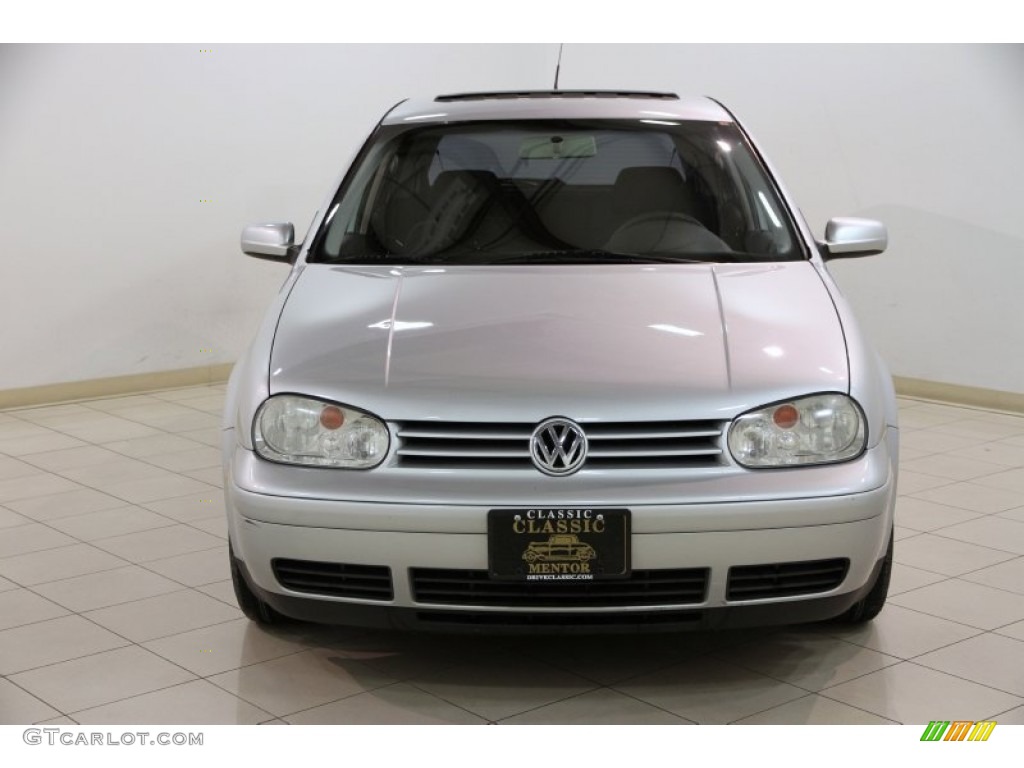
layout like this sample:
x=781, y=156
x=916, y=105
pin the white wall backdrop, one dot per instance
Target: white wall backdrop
x=112, y=265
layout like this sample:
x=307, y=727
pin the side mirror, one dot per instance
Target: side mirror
x=849, y=238
x=274, y=242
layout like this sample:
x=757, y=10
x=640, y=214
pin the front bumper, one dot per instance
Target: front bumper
x=425, y=618
x=712, y=536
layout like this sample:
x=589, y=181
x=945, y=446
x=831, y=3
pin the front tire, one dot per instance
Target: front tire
x=872, y=603
x=252, y=606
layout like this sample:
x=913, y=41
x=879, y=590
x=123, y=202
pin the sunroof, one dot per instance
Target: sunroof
x=557, y=95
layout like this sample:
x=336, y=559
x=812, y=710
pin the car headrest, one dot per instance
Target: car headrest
x=653, y=188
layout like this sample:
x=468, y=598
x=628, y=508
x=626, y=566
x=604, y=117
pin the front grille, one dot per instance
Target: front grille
x=560, y=620
x=755, y=582
x=367, y=582
x=684, y=586
x=625, y=445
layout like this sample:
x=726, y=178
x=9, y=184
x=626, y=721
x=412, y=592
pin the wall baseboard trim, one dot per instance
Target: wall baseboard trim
x=957, y=394
x=113, y=386
x=131, y=384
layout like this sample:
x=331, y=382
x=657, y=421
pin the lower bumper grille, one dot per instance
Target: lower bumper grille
x=466, y=587
x=366, y=582
x=560, y=620
x=756, y=582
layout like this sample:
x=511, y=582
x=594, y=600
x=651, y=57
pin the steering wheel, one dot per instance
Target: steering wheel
x=665, y=232
x=660, y=217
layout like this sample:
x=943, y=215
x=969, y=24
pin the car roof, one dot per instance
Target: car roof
x=536, y=105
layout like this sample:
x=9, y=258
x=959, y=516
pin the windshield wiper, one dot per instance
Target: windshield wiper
x=552, y=256
x=378, y=258
x=592, y=256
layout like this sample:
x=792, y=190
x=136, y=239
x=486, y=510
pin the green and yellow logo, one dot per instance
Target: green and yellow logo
x=958, y=730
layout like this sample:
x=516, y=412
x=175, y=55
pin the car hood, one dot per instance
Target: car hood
x=521, y=343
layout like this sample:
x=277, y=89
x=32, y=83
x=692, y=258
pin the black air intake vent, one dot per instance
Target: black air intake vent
x=757, y=582
x=556, y=621
x=463, y=587
x=366, y=582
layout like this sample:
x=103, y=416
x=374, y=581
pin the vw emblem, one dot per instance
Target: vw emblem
x=558, y=447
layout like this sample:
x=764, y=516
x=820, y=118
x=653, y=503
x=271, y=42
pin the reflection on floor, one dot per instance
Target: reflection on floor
x=115, y=603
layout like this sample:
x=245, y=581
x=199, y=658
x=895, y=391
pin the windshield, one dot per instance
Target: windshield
x=556, y=192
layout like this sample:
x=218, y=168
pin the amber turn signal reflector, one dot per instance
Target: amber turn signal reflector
x=786, y=417
x=331, y=417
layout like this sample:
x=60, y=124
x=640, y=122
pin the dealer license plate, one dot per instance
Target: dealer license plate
x=558, y=544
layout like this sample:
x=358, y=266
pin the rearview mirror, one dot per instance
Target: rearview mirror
x=849, y=238
x=274, y=242
x=561, y=147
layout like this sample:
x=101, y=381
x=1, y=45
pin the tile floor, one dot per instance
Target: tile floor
x=116, y=604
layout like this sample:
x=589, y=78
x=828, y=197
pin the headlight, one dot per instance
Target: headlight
x=819, y=429
x=300, y=430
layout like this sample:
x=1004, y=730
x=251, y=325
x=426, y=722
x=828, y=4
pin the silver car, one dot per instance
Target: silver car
x=560, y=360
